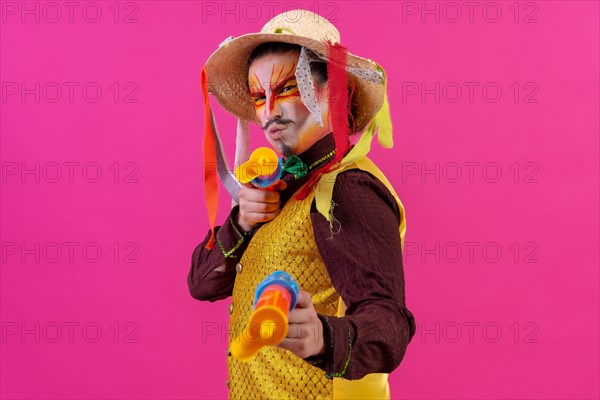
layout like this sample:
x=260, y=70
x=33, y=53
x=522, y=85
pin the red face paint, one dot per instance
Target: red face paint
x=275, y=94
x=281, y=86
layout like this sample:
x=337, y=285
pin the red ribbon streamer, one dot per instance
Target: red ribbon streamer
x=338, y=108
x=209, y=149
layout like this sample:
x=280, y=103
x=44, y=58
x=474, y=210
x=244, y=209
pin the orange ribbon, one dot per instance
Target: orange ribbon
x=209, y=170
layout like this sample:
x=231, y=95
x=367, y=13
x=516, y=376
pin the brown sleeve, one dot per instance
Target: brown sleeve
x=364, y=261
x=212, y=273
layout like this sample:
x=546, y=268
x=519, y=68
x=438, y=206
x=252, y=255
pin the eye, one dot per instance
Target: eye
x=288, y=88
x=258, y=100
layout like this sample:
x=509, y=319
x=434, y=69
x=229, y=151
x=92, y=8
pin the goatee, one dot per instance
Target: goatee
x=286, y=150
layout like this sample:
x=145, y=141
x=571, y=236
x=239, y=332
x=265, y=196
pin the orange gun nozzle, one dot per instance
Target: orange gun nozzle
x=265, y=331
x=268, y=324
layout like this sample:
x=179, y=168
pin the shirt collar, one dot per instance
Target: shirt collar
x=318, y=150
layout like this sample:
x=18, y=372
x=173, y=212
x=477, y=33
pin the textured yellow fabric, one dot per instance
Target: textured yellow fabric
x=287, y=243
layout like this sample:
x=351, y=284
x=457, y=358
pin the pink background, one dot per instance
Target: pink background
x=521, y=325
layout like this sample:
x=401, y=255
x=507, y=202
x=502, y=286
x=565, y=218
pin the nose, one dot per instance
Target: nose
x=272, y=108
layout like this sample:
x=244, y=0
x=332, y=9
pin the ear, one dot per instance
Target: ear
x=322, y=97
x=326, y=115
x=321, y=91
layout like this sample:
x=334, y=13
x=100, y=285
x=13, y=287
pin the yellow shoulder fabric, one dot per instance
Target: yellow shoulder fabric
x=324, y=190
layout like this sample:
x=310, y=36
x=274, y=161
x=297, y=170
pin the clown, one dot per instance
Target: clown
x=334, y=222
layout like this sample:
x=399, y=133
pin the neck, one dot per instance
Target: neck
x=319, y=149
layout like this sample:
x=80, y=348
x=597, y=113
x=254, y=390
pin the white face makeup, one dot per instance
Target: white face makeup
x=289, y=125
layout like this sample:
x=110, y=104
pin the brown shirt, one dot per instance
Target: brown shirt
x=364, y=262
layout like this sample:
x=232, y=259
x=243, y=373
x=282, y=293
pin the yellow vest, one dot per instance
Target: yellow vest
x=287, y=243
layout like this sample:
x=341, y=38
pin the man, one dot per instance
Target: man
x=334, y=222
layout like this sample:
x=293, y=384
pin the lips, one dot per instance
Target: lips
x=274, y=131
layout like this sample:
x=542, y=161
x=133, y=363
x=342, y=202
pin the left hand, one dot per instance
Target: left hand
x=305, y=330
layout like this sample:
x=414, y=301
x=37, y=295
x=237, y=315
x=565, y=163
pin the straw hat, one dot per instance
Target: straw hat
x=227, y=69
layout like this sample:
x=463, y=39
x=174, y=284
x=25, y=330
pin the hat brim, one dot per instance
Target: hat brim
x=227, y=76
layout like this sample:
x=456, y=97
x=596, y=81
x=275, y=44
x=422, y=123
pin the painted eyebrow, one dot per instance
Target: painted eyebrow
x=257, y=93
x=254, y=91
x=289, y=76
x=286, y=78
x=284, y=82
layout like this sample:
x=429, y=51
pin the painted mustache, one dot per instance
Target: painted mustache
x=281, y=122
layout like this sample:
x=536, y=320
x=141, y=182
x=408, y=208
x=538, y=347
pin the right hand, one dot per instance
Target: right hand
x=258, y=205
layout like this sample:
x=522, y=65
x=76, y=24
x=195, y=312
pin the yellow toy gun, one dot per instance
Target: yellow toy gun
x=274, y=298
x=263, y=169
